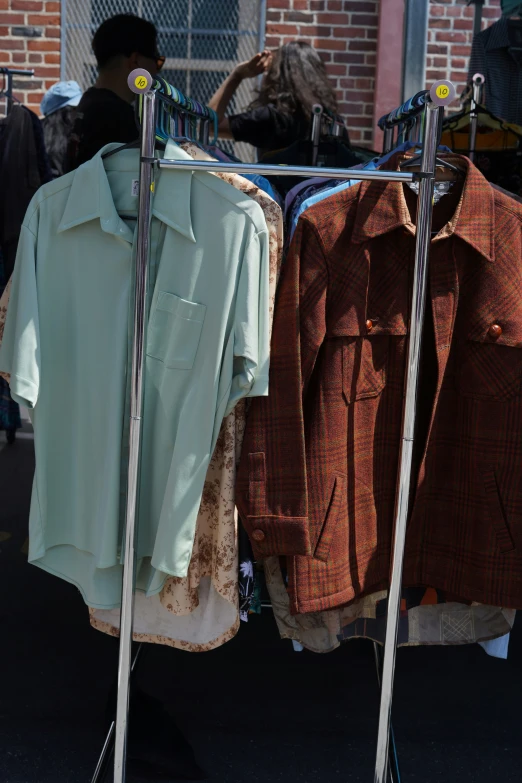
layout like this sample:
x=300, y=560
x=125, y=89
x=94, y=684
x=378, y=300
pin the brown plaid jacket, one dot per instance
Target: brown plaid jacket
x=320, y=457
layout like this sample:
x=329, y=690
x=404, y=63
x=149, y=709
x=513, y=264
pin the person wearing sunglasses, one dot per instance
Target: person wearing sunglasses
x=105, y=113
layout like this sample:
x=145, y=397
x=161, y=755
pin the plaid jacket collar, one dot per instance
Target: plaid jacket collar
x=382, y=208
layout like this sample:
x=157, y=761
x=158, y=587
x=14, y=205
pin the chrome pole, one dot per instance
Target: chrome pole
x=317, y=116
x=477, y=83
x=420, y=278
x=288, y=171
x=129, y=565
x=388, y=140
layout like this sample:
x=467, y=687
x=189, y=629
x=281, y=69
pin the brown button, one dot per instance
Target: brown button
x=495, y=331
x=258, y=536
x=369, y=325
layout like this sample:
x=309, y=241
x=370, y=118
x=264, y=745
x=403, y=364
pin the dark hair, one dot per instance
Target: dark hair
x=296, y=80
x=122, y=35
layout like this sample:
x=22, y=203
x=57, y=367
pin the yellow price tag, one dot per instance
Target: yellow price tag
x=442, y=91
x=140, y=82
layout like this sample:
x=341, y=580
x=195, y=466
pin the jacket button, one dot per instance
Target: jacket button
x=495, y=331
x=369, y=325
x=258, y=536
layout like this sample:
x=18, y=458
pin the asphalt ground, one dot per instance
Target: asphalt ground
x=254, y=711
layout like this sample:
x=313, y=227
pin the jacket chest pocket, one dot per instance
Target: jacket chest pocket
x=490, y=370
x=364, y=361
x=174, y=331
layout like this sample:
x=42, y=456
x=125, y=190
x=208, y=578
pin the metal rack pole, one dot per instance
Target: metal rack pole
x=476, y=96
x=129, y=566
x=9, y=73
x=420, y=278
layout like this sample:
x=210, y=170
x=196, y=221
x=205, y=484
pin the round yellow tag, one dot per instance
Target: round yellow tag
x=140, y=82
x=442, y=91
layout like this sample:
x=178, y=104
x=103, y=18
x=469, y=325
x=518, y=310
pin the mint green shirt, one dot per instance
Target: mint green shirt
x=67, y=345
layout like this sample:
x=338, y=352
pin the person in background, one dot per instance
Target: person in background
x=294, y=79
x=59, y=109
x=105, y=113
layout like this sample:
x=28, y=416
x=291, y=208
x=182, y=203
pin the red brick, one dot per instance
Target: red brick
x=273, y=16
x=333, y=44
x=353, y=5
x=317, y=5
x=335, y=70
x=438, y=62
x=52, y=7
x=42, y=19
x=371, y=32
x=9, y=18
x=26, y=5
x=434, y=76
x=441, y=24
x=362, y=46
x=12, y=43
x=299, y=16
x=301, y=5
x=437, y=10
x=371, y=59
x=335, y=5
x=330, y=18
x=51, y=58
x=47, y=72
x=457, y=12
x=4, y=5
x=20, y=57
x=364, y=96
x=458, y=63
x=361, y=70
x=452, y=37
x=280, y=3
x=491, y=13
x=35, y=97
x=281, y=29
x=463, y=24
x=43, y=46
x=364, y=84
x=463, y=51
x=355, y=135
x=348, y=84
x=360, y=122
x=368, y=20
x=4, y=32
x=52, y=32
x=458, y=76
x=348, y=57
x=353, y=32
x=271, y=42
x=350, y=108
x=35, y=58
x=437, y=49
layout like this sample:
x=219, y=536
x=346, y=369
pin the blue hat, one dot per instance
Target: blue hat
x=61, y=94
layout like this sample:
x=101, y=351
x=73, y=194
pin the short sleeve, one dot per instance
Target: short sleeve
x=251, y=328
x=20, y=350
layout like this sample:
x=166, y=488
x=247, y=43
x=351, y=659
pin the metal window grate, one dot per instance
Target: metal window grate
x=202, y=40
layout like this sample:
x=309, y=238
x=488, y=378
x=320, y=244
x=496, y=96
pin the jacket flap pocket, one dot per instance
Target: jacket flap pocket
x=322, y=550
x=496, y=511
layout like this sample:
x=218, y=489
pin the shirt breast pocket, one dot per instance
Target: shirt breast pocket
x=175, y=330
x=491, y=368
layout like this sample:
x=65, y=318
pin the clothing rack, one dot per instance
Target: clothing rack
x=7, y=91
x=431, y=104
x=477, y=84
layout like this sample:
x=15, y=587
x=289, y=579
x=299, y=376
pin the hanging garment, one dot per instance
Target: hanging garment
x=201, y=611
x=69, y=318
x=9, y=410
x=425, y=618
x=19, y=175
x=494, y=54
x=318, y=471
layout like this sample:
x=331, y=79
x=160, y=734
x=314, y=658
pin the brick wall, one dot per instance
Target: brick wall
x=450, y=36
x=30, y=38
x=345, y=34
